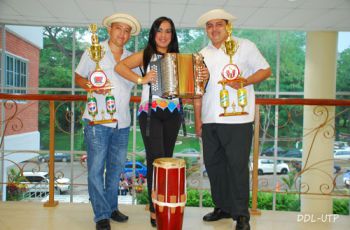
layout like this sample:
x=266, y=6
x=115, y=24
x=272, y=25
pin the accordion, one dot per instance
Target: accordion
x=177, y=76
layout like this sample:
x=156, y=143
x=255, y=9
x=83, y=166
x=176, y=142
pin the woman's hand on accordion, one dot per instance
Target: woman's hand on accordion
x=150, y=77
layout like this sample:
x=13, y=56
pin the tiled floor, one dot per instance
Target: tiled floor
x=32, y=215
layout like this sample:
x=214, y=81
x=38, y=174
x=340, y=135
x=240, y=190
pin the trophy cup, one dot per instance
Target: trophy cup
x=98, y=81
x=230, y=73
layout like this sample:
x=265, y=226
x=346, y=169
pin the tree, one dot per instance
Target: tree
x=343, y=85
x=55, y=71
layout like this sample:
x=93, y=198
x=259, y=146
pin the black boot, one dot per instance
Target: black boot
x=242, y=223
x=118, y=216
x=103, y=225
x=216, y=215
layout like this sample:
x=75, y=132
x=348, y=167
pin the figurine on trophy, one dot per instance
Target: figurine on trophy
x=99, y=83
x=231, y=73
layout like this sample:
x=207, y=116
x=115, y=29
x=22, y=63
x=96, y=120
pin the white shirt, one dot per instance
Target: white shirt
x=249, y=60
x=121, y=87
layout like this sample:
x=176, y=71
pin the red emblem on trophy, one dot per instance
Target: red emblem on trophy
x=98, y=79
x=230, y=72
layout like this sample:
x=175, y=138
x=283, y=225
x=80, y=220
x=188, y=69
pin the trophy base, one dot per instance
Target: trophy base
x=102, y=122
x=233, y=114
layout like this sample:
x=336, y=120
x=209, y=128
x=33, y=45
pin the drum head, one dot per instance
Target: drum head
x=169, y=163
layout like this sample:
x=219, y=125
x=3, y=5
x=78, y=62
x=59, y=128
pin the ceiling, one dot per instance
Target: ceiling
x=305, y=15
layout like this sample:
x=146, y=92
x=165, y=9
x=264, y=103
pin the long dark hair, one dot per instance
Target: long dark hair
x=151, y=47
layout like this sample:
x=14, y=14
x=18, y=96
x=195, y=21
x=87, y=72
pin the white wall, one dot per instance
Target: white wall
x=26, y=141
x=32, y=34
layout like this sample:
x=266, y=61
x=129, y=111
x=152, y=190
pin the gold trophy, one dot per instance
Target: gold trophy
x=231, y=73
x=99, y=81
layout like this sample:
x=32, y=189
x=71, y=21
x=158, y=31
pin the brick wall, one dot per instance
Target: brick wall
x=26, y=119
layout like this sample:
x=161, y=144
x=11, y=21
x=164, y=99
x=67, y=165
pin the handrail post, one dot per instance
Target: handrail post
x=254, y=210
x=51, y=202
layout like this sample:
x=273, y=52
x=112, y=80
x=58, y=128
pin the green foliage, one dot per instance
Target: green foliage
x=15, y=176
x=289, y=180
x=284, y=202
x=292, y=61
x=14, y=188
x=142, y=197
x=56, y=58
x=190, y=41
x=287, y=202
x=264, y=201
x=207, y=199
x=192, y=198
x=266, y=42
x=343, y=71
x=140, y=158
x=341, y=206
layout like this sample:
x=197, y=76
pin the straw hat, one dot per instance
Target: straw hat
x=214, y=14
x=123, y=18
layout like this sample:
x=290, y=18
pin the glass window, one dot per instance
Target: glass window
x=16, y=74
x=343, y=65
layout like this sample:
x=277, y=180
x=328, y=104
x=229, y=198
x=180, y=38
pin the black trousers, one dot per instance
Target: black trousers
x=226, y=150
x=164, y=128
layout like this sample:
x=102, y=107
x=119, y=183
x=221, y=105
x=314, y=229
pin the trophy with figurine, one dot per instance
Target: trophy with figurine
x=98, y=81
x=231, y=73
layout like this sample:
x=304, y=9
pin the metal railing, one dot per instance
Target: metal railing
x=256, y=144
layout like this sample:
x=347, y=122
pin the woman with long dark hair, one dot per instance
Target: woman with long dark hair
x=159, y=118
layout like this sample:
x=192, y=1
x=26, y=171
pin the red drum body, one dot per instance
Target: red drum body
x=169, y=192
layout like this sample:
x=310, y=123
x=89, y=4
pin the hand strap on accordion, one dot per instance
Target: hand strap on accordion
x=148, y=123
x=182, y=117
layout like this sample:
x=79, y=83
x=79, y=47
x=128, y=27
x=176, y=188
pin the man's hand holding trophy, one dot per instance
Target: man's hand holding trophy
x=232, y=76
x=98, y=83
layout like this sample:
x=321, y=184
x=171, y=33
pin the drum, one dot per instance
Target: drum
x=169, y=192
x=177, y=76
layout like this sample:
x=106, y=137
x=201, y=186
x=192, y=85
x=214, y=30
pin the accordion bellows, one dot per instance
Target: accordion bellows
x=177, y=76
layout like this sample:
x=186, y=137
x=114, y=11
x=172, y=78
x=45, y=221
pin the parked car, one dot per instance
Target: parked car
x=139, y=168
x=340, y=145
x=342, y=154
x=267, y=166
x=346, y=179
x=297, y=166
x=38, y=182
x=63, y=157
x=269, y=152
x=292, y=153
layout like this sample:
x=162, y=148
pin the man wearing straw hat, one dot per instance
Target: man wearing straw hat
x=227, y=139
x=107, y=143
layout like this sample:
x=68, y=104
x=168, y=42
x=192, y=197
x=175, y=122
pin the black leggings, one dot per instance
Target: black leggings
x=164, y=128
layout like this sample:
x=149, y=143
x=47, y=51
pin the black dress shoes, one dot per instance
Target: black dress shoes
x=118, y=216
x=153, y=222
x=103, y=225
x=242, y=223
x=216, y=215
